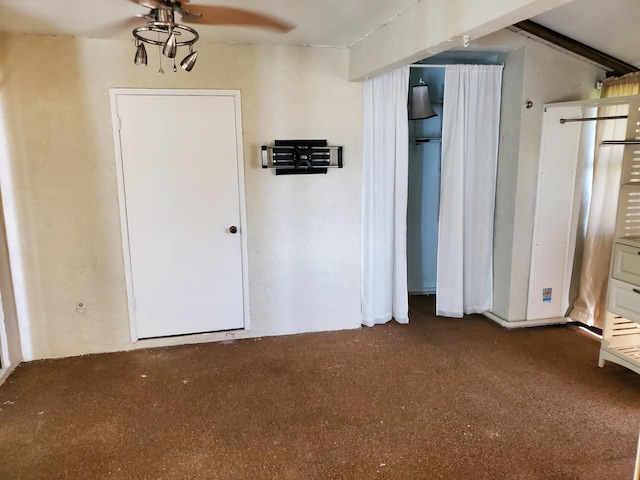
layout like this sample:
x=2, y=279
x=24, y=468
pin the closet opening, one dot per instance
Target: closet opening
x=424, y=185
x=425, y=169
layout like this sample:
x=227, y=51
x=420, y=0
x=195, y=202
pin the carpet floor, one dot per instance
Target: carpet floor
x=436, y=399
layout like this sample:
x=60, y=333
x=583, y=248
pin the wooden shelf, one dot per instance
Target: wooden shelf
x=627, y=355
x=620, y=342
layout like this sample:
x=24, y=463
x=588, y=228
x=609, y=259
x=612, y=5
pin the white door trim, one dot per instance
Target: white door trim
x=114, y=93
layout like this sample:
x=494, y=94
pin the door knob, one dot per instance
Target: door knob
x=233, y=229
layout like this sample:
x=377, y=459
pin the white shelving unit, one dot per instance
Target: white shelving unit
x=621, y=333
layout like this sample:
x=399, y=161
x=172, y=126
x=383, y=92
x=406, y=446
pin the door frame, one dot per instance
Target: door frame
x=115, y=122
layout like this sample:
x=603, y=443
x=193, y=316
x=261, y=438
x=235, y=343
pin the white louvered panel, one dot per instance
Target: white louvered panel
x=628, y=219
x=631, y=165
x=621, y=342
x=632, y=351
x=623, y=327
x=624, y=351
x=633, y=125
x=631, y=158
x=616, y=326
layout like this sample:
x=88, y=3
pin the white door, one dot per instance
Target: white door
x=180, y=181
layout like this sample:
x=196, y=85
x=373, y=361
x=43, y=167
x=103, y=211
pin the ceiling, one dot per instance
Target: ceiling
x=608, y=26
x=318, y=22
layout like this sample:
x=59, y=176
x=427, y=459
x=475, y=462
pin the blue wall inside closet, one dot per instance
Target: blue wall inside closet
x=424, y=186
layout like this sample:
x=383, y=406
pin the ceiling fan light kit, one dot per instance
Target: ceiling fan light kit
x=167, y=31
x=169, y=35
x=420, y=107
x=141, y=54
x=189, y=61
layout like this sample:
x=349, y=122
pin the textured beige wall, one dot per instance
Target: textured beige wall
x=543, y=75
x=508, y=153
x=303, y=231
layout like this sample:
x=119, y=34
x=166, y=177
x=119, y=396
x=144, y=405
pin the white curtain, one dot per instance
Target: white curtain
x=385, y=160
x=471, y=118
x=590, y=306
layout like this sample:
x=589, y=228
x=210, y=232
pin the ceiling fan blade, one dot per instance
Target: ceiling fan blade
x=213, y=15
x=115, y=29
x=159, y=4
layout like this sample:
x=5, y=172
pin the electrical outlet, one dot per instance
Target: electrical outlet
x=81, y=307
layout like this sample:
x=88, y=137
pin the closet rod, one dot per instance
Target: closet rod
x=428, y=65
x=621, y=142
x=425, y=65
x=589, y=119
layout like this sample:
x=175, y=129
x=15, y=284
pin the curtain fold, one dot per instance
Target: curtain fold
x=385, y=161
x=470, y=135
x=590, y=306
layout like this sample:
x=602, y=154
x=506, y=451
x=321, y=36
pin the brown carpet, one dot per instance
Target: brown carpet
x=439, y=398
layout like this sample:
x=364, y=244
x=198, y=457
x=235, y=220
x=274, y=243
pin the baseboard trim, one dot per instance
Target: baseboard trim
x=5, y=372
x=526, y=323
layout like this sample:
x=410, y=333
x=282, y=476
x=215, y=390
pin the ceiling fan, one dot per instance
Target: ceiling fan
x=163, y=31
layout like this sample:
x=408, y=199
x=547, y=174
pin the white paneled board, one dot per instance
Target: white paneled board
x=556, y=215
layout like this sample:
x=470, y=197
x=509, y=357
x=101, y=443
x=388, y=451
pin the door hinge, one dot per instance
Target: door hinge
x=135, y=303
x=119, y=123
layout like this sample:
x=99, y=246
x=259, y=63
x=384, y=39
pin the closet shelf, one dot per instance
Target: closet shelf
x=426, y=139
x=627, y=355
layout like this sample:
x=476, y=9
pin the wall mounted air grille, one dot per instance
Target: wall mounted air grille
x=301, y=157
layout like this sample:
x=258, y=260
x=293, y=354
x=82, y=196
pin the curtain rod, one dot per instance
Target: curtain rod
x=589, y=119
x=621, y=142
x=428, y=65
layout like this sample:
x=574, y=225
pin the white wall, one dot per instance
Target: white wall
x=433, y=26
x=304, y=231
x=541, y=74
x=508, y=153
